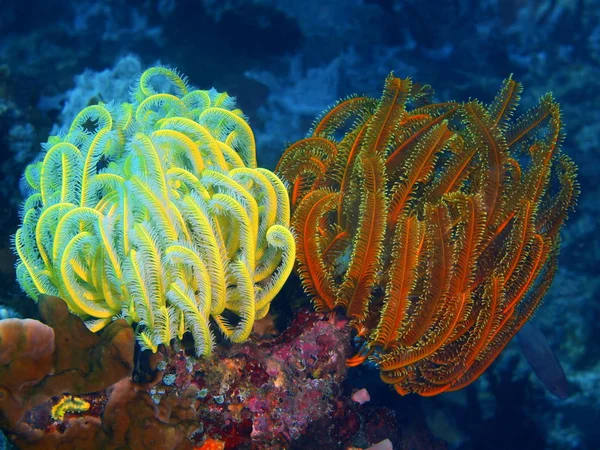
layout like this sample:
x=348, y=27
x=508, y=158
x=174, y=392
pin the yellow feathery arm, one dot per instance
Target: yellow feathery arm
x=221, y=120
x=81, y=271
x=32, y=175
x=174, y=317
x=236, y=191
x=90, y=114
x=62, y=167
x=246, y=309
x=26, y=282
x=283, y=199
x=75, y=293
x=107, y=202
x=26, y=247
x=227, y=231
x=126, y=217
x=110, y=181
x=81, y=137
x=147, y=341
x=234, y=140
x=92, y=262
x=282, y=239
x=74, y=221
x=177, y=177
x=108, y=295
x=195, y=210
x=224, y=204
x=182, y=297
x=95, y=325
x=46, y=227
x=180, y=324
x=186, y=256
x=144, y=88
x=145, y=114
x=37, y=277
x=261, y=313
x=196, y=101
x=176, y=141
x=259, y=187
x=156, y=205
x=33, y=202
x=112, y=186
x=124, y=121
x=223, y=100
x=267, y=197
x=150, y=163
x=200, y=135
x=139, y=290
x=233, y=158
x=105, y=227
x=272, y=256
x=163, y=333
x=100, y=145
x=270, y=260
x=148, y=246
x=182, y=225
x=94, y=275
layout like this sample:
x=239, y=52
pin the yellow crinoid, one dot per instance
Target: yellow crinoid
x=155, y=211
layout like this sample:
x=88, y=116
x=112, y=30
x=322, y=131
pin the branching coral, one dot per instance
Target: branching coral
x=434, y=226
x=155, y=211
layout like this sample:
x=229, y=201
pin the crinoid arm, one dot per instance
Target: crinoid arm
x=155, y=211
x=434, y=226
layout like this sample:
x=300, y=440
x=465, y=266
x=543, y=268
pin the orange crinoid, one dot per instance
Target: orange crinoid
x=435, y=226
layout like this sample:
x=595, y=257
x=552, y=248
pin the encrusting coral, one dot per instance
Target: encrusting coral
x=41, y=360
x=154, y=211
x=435, y=226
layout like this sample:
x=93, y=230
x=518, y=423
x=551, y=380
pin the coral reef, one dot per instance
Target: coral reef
x=266, y=393
x=40, y=360
x=434, y=226
x=155, y=212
